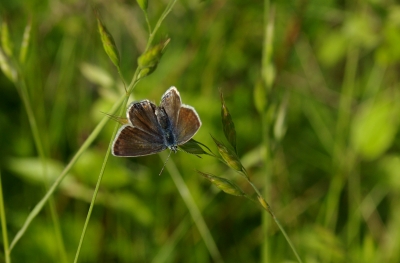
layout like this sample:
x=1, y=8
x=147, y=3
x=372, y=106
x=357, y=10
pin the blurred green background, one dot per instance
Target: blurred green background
x=329, y=123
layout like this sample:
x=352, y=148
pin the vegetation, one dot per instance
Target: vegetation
x=306, y=129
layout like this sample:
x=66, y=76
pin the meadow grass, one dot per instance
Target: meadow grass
x=310, y=137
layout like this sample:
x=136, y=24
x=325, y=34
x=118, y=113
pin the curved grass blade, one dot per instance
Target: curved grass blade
x=193, y=210
x=4, y=225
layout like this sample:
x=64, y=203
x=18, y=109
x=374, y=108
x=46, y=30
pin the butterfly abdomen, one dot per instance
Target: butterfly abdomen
x=166, y=127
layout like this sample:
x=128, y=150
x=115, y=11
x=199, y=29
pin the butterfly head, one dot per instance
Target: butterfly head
x=173, y=148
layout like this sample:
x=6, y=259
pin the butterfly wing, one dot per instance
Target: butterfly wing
x=188, y=124
x=143, y=136
x=142, y=115
x=171, y=102
x=132, y=141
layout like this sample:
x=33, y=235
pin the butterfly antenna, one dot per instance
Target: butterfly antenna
x=165, y=163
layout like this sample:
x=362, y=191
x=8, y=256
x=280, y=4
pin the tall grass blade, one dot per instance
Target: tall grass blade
x=4, y=225
x=39, y=206
x=194, y=210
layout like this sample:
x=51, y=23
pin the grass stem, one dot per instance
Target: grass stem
x=4, y=225
x=193, y=209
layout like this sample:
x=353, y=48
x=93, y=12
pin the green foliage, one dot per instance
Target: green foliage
x=375, y=126
x=148, y=61
x=229, y=156
x=143, y=4
x=108, y=43
x=6, y=43
x=225, y=185
x=312, y=88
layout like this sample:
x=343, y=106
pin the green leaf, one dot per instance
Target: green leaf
x=389, y=168
x=280, y=121
x=149, y=60
x=374, y=127
x=87, y=168
x=333, y=48
x=227, y=124
x=193, y=147
x=7, y=69
x=268, y=70
x=5, y=40
x=25, y=42
x=131, y=204
x=389, y=51
x=260, y=97
x=108, y=42
x=143, y=4
x=97, y=75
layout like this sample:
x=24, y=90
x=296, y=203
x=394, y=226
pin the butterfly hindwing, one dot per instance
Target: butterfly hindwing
x=188, y=124
x=132, y=141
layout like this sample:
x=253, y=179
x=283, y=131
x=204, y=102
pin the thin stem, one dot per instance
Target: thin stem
x=251, y=199
x=147, y=22
x=133, y=83
x=268, y=209
x=4, y=225
x=340, y=158
x=122, y=78
x=194, y=210
x=348, y=165
x=39, y=206
x=130, y=89
x=285, y=235
x=158, y=24
x=21, y=87
x=267, y=64
x=96, y=190
x=82, y=149
x=255, y=188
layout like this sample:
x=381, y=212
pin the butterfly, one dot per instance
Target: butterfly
x=152, y=129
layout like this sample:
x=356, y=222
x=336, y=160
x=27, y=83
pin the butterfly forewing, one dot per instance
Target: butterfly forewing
x=171, y=102
x=141, y=115
x=188, y=124
x=132, y=141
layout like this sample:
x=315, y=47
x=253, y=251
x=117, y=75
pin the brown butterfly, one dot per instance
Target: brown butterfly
x=152, y=129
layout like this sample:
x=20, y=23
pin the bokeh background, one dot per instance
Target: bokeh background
x=317, y=130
